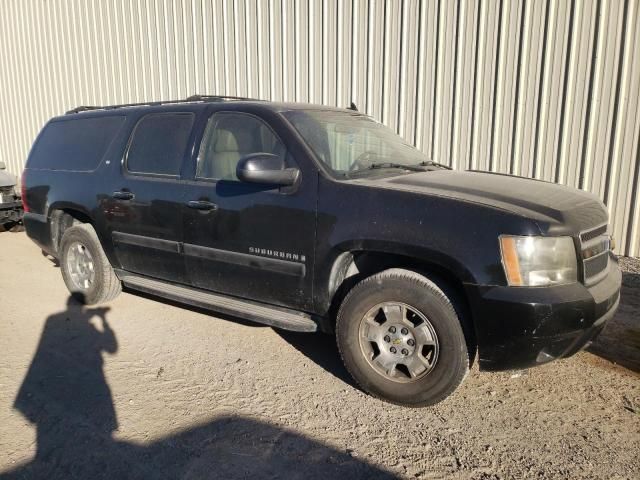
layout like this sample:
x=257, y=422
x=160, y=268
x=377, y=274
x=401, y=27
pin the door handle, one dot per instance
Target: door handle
x=202, y=205
x=122, y=195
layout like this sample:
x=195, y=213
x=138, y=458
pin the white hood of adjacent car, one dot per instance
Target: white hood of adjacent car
x=6, y=179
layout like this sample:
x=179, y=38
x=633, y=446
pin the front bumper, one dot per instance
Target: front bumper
x=10, y=212
x=520, y=327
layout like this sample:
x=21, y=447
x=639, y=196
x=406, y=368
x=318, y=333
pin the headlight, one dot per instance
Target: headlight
x=538, y=261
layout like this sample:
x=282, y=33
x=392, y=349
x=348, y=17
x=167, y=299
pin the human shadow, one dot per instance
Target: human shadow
x=66, y=396
x=619, y=342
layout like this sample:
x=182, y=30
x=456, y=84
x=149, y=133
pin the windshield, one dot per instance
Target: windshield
x=352, y=143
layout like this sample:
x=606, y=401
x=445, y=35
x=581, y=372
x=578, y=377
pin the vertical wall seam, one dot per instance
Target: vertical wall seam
x=435, y=83
x=456, y=46
x=541, y=90
x=474, y=99
x=592, y=72
x=565, y=83
x=616, y=103
x=496, y=83
x=516, y=110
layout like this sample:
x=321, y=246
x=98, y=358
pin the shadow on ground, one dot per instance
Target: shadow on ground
x=619, y=342
x=66, y=396
x=320, y=349
x=317, y=347
x=12, y=227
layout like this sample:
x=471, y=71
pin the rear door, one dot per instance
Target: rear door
x=247, y=240
x=144, y=211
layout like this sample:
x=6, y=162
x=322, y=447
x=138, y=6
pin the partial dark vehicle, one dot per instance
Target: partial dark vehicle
x=10, y=204
x=313, y=218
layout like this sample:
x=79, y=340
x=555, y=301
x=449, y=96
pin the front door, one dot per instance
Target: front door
x=246, y=240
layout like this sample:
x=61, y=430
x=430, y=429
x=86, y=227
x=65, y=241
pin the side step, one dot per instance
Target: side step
x=275, y=316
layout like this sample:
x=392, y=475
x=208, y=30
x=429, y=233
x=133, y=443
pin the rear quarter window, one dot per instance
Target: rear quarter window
x=74, y=145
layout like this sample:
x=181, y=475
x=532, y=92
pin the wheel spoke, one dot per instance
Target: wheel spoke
x=373, y=331
x=424, y=336
x=416, y=364
x=394, y=313
x=387, y=362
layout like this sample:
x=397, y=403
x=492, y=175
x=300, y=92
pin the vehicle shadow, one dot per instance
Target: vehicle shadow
x=52, y=259
x=192, y=308
x=320, y=349
x=619, y=342
x=317, y=347
x=65, y=395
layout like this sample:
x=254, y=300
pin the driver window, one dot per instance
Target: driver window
x=229, y=136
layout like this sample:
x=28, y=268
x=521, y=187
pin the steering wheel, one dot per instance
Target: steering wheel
x=361, y=160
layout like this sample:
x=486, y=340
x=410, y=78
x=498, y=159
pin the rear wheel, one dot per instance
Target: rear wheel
x=85, y=268
x=401, y=338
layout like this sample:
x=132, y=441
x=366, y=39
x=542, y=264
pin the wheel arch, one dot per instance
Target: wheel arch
x=61, y=217
x=353, y=266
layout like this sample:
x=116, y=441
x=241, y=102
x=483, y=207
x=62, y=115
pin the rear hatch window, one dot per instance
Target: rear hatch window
x=75, y=144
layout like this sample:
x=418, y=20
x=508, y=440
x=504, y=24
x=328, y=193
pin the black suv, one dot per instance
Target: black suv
x=314, y=218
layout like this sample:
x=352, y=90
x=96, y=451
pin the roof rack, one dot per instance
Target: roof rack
x=192, y=98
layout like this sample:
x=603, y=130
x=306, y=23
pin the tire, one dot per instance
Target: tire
x=104, y=285
x=405, y=295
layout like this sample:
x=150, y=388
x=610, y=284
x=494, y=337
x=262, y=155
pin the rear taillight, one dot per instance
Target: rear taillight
x=23, y=191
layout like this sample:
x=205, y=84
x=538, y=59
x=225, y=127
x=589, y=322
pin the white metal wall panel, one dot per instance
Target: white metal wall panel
x=543, y=88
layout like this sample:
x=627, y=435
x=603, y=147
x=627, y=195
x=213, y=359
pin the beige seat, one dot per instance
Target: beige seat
x=225, y=155
x=233, y=137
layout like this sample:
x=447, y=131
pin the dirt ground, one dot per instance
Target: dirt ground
x=147, y=389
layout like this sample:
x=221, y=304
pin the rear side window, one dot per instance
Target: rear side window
x=159, y=143
x=78, y=144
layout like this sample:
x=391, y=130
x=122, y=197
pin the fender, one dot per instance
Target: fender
x=341, y=264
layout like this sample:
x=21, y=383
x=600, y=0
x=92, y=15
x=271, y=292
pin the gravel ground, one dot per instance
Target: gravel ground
x=147, y=389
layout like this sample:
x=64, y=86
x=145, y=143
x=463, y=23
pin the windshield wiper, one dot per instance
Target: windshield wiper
x=429, y=163
x=413, y=168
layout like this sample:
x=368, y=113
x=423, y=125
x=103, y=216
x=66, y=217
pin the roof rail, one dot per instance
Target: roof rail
x=192, y=98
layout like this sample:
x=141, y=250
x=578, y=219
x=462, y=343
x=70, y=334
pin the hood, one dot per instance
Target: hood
x=6, y=179
x=556, y=208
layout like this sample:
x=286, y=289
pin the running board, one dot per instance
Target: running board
x=278, y=317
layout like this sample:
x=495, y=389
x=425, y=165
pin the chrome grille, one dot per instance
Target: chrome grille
x=593, y=266
x=591, y=234
x=595, y=250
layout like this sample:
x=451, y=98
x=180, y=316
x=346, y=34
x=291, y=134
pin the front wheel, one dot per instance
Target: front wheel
x=85, y=268
x=401, y=338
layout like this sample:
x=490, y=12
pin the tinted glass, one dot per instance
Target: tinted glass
x=229, y=137
x=159, y=143
x=77, y=144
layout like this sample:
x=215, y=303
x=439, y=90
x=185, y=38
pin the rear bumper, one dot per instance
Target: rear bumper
x=38, y=230
x=524, y=327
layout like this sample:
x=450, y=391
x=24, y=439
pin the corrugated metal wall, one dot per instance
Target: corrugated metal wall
x=544, y=88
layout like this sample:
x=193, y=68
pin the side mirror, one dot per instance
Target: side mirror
x=265, y=168
x=3, y=166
